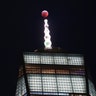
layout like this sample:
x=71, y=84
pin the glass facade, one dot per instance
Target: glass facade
x=53, y=58
x=53, y=74
x=92, y=90
x=21, y=88
x=56, y=84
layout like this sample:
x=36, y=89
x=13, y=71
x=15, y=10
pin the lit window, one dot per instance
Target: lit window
x=49, y=83
x=78, y=83
x=60, y=60
x=46, y=60
x=32, y=59
x=34, y=81
x=21, y=88
x=64, y=84
x=75, y=60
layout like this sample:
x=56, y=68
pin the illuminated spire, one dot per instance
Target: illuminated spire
x=47, y=37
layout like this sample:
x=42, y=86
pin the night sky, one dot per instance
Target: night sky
x=72, y=27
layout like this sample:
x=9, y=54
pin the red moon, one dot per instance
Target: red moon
x=44, y=13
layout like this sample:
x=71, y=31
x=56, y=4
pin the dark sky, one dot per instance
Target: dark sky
x=72, y=27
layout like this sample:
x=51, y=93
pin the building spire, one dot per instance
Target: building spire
x=47, y=37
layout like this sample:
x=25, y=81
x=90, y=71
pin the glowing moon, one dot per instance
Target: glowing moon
x=44, y=13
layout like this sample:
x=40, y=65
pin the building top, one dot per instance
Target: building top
x=55, y=50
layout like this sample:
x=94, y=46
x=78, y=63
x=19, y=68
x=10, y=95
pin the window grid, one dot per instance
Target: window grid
x=79, y=84
x=21, y=88
x=49, y=85
x=64, y=84
x=34, y=82
x=92, y=90
x=75, y=61
x=47, y=81
x=58, y=60
x=35, y=59
x=46, y=59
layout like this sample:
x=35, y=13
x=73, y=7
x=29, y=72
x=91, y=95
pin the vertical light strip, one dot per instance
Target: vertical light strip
x=47, y=37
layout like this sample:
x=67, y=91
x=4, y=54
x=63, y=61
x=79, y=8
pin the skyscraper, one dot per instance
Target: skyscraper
x=53, y=72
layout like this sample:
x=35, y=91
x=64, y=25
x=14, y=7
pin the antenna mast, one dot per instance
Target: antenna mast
x=47, y=37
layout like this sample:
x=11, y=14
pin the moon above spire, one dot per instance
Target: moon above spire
x=44, y=13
